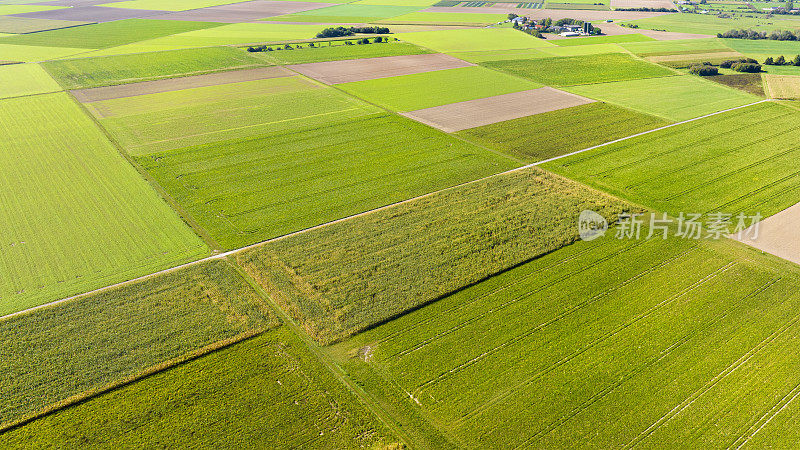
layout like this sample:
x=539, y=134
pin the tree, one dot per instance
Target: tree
x=704, y=70
x=769, y=61
x=796, y=61
x=780, y=61
x=512, y=16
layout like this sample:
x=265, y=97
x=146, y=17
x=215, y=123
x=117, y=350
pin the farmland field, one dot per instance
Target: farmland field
x=739, y=161
x=568, y=71
x=751, y=83
x=472, y=40
x=706, y=24
x=444, y=18
x=109, y=70
x=673, y=98
x=783, y=86
x=248, y=190
x=677, y=47
x=603, y=40
x=108, y=34
x=9, y=24
x=117, y=334
x=346, y=13
x=551, y=134
x=77, y=215
x=336, y=51
x=428, y=89
x=25, y=79
x=168, y=120
x=266, y=390
x=173, y=5
x=31, y=53
x=612, y=343
x=377, y=266
x=235, y=34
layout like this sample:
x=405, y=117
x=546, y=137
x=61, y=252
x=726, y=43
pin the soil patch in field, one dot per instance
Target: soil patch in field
x=90, y=14
x=778, y=234
x=335, y=72
x=176, y=84
x=485, y=111
x=243, y=12
x=613, y=29
x=748, y=82
x=21, y=25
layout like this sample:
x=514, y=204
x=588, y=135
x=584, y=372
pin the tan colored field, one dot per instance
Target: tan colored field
x=777, y=235
x=612, y=29
x=642, y=4
x=785, y=87
x=485, y=111
x=250, y=11
x=695, y=57
x=177, y=84
x=554, y=14
x=335, y=72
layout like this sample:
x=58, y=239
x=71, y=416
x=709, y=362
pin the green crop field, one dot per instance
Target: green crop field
x=739, y=161
x=249, y=190
x=117, y=334
x=264, y=392
x=110, y=70
x=234, y=34
x=171, y=5
x=347, y=13
x=337, y=51
x=566, y=71
x=603, y=40
x=25, y=79
x=613, y=343
x=428, y=89
x=555, y=133
x=538, y=53
x=22, y=9
x=673, y=98
x=444, y=18
x=764, y=47
x=155, y=122
x=108, y=34
x=32, y=53
x=472, y=40
x=676, y=47
x=709, y=24
x=76, y=215
x=433, y=245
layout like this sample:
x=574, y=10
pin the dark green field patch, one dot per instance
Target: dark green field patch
x=108, y=34
x=121, y=69
x=248, y=190
x=748, y=82
x=555, y=133
x=566, y=71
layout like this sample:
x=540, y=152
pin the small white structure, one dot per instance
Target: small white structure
x=570, y=34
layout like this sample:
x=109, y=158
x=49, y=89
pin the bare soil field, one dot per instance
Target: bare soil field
x=642, y=4
x=554, y=14
x=90, y=14
x=613, y=29
x=786, y=87
x=335, y=72
x=474, y=113
x=20, y=25
x=777, y=235
x=243, y=12
x=694, y=57
x=73, y=3
x=177, y=84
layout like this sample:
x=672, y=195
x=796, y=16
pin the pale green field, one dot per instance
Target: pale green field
x=675, y=47
x=395, y=2
x=673, y=98
x=348, y=13
x=428, y=89
x=22, y=9
x=76, y=216
x=603, y=40
x=25, y=79
x=538, y=53
x=473, y=40
x=169, y=5
x=707, y=24
x=155, y=122
x=442, y=18
x=235, y=34
x=31, y=53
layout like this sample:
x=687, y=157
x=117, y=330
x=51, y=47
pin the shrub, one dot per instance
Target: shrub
x=796, y=61
x=342, y=31
x=780, y=61
x=731, y=62
x=747, y=67
x=704, y=70
x=769, y=61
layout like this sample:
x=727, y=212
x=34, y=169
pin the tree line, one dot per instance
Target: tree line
x=349, y=31
x=784, y=35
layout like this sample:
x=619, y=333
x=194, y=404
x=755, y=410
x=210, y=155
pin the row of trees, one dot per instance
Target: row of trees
x=349, y=31
x=781, y=61
x=784, y=35
x=362, y=41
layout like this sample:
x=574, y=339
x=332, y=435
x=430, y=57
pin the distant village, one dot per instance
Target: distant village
x=562, y=27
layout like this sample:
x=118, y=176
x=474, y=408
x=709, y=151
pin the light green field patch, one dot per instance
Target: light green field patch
x=337, y=51
x=31, y=53
x=345, y=13
x=582, y=50
x=237, y=34
x=169, y=5
x=473, y=40
x=176, y=119
x=428, y=89
x=22, y=9
x=76, y=215
x=110, y=70
x=764, y=47
x=785, y=87
x=108, y=34
x=709, y=24
x=442, y=18
x=10, y=24
x=673, y=98
x=676, y=47
x=782, y=70
x=395, y=2
x=572, y=70
x=602, y=40
x=25, y=79
x=502, y=55
x=249, y=190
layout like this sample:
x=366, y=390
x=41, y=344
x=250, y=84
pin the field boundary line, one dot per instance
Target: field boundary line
x=347, y=218
x=648, y=132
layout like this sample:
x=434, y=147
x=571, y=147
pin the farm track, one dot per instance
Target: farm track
x=354, y=216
